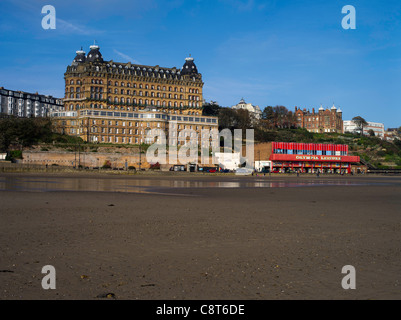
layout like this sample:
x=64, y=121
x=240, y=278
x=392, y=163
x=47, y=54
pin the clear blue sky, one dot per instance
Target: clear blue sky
x=276, y=52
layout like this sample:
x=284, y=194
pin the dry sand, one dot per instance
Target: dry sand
x=204, y=243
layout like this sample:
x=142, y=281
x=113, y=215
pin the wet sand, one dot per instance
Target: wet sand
x=287, y=242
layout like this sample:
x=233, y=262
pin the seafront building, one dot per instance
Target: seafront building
x=253, y=110
x=306, y=157
x=114, y=102
x=378, y=128
x=25, y=104
x=322, y=121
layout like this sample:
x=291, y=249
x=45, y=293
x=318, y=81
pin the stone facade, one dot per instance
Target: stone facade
x=111, y=102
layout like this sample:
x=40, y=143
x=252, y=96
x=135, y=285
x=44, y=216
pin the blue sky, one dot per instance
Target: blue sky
x=276, y=52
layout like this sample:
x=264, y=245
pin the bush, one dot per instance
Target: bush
x=15, y=154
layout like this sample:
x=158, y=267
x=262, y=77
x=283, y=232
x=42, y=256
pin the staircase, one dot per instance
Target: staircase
x=368, y=164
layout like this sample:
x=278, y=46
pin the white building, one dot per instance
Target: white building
x=24, y=104
x=378, y=128
x=227, y=160
x=253, y=110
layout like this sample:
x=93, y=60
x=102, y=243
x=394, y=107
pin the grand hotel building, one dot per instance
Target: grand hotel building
x=113, y=102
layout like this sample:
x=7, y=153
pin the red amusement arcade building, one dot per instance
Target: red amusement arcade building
x=311, y=157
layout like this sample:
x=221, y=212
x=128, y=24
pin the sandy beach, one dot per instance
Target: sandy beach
x=203, y=241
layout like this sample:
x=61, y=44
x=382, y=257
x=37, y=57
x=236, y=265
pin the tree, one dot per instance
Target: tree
x=226, y=118
x=371, y=133
x=23, y=132
x=360, y=123
x=267, y=118
x=211, y=109
x=243, y=119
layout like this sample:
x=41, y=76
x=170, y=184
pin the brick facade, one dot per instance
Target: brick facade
x=325, y=120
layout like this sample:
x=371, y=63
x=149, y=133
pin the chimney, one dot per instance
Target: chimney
x=313, y=110
x=296, y=109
